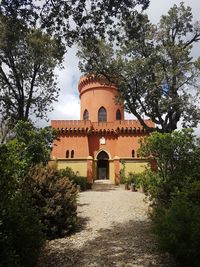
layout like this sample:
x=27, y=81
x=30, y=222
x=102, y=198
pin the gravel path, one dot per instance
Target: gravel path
x=116, y=233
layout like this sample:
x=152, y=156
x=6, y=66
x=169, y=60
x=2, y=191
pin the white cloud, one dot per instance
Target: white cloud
x=68, y=105
x=67, y=108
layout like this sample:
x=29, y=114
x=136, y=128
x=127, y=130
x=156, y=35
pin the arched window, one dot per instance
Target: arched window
x=133, y=153
x=72, y=154
x=86, y=115
x=102, y=114
x=118, y=115
x=102, y=156
x=67, y=154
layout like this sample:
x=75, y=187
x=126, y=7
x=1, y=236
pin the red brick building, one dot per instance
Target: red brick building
x=95, y=145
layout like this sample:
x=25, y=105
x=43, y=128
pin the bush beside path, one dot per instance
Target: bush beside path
x=114, y=231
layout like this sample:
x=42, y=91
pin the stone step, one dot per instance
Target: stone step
x=101, y=185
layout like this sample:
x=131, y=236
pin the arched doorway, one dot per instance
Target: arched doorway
x=102, y=166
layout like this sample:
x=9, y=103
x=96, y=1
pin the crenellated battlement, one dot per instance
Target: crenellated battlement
x=85, y=80
x=81, y=126
x=70, y=123
x=89, y=82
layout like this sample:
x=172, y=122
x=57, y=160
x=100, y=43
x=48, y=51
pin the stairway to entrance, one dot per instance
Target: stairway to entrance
x=101, y=185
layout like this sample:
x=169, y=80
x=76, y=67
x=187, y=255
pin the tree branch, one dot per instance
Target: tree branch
x=194, y=39
x=36, y=68
x=8, y=83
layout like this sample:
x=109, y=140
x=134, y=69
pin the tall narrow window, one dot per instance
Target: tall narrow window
x=72, y=154
x=86, y=115
x=118, y=115
x=102, y=114
x=133, y=153
x=67, y=154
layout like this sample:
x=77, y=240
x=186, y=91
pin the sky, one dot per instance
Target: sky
x=68, y=105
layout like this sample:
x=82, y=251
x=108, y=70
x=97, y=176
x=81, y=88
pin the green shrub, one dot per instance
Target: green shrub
x=82, y=181
x=174, y=190
x=122, y=173
x=22, y=234
x=54, y=197
x=178, y=230
x=155, y=188
x=134, y=178
x=67, y=172
x=123, y=179
x=177, y=156
x=20, y=228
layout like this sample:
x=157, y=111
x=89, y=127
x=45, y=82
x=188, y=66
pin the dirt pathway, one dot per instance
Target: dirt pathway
x=116, y=233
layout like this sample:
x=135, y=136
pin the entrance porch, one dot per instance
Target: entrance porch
x=103, y=168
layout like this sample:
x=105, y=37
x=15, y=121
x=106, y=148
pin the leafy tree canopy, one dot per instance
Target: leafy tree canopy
x=177, y=156
x=33, y=39
x=78, y=18
x=28, y=147
x=152, y=67
x=74, y=18
x=28, y=58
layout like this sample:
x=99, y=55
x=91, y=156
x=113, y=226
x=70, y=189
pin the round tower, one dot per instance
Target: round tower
x=98, y=101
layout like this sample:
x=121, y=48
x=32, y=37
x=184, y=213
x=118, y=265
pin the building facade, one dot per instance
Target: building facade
x=96, y=145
